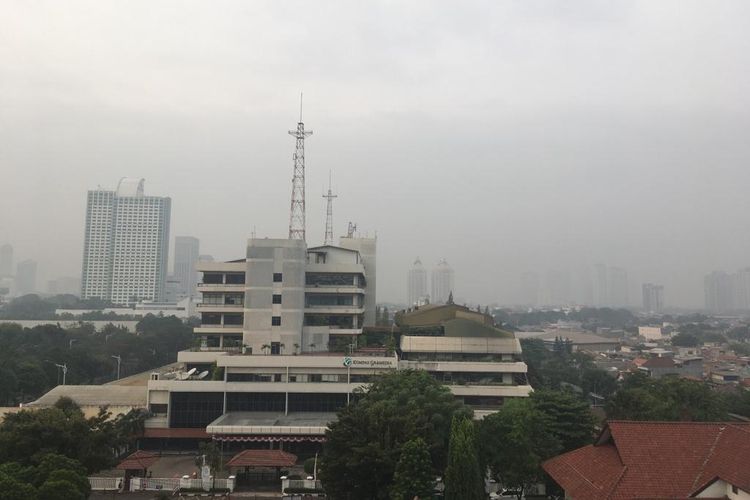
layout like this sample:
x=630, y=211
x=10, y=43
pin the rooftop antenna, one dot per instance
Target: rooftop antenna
x=252, y=234
x=329, y=213
x=297, y=210
x=351, y=230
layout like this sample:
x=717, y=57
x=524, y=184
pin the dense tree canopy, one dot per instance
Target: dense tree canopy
x=64, y=430
x=464, y=479
x=29, y=355
x=46, y=477
x=414, y=476
x=365, y=443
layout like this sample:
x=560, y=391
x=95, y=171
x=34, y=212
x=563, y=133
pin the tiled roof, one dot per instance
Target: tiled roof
x=666, y=460
x=263, y=458
x=140, y=460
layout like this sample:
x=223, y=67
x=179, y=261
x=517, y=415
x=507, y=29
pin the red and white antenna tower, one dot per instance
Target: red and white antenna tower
x=297, y=211
x=328, y=240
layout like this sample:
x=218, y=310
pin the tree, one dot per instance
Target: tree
x=667, y=398
x=514, y=441
x=599, y=382
x=59, y=490
x=364, y=444
x=569, y=418
x=13, y=489
x=686, y=340
x=463, y=477
x=413, y=476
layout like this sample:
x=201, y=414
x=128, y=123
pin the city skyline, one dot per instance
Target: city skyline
x=456, y=150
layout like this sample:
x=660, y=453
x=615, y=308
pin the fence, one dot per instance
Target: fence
x=172, y=484
x=105, y=483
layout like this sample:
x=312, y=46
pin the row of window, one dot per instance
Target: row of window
x=299, y=377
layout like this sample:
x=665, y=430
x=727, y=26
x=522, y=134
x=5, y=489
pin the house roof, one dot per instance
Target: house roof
x=666, y=460
x=263, y=458
x=140, y=460
x=659, y=362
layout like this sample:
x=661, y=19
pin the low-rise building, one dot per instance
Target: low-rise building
x=667, y=460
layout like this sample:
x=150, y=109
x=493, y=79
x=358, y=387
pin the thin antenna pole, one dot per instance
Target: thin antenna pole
x=328, y=240
x=300, y=107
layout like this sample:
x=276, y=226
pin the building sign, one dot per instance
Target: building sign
x=350, y=362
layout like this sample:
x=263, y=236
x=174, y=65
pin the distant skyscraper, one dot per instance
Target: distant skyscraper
x=416, y=284
x=26, y=277
x=6, y=260
x=742, y=289
x=126, y=244
x=617, y=281
x=186, y=255
x=601, y=290
x=442, y=283
x=653, y=297
x=719, y=291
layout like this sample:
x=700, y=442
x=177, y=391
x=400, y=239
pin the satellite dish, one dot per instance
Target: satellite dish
x=182, y=376
x=191, y=372
x=203, y=375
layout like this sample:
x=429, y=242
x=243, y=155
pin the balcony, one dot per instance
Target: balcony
x=204, y=306
x=336, y=310
x=220, y=329
x=220, y=287
x=346, y=289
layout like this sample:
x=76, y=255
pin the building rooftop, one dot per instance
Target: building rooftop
x=655, y=460
x=95, y=395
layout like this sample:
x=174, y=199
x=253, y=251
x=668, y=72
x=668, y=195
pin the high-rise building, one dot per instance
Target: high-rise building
x=416, y=283
x=26, y=277
x=742, y=289
x=442, y=283
x=6, y=260
x=126, y=244
x=66, y=285
x=653, y=297
x=186, y=256
x=601, y=289
x=617, y=281
x=719, y=291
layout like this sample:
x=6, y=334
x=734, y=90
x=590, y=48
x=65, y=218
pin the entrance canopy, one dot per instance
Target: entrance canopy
x=263, y=458
x=271, y=426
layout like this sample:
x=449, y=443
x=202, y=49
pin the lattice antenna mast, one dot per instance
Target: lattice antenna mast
x=329, y=212
x=297, y=211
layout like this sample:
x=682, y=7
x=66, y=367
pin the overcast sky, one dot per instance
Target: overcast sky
x=502, y=136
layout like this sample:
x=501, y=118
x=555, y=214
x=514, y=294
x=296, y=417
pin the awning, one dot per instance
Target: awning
x=140, y=460
x=268, y=438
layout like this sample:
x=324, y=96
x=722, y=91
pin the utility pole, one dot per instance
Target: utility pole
x=119, y=360
x=328, y=240
x=297, y=211
x=64, y=368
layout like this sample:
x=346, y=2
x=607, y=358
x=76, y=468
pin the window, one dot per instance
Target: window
x=276, y=347
x=735, y=490
x=276, y=299
x=277, y=277
x=158, y=409
x=275, y=320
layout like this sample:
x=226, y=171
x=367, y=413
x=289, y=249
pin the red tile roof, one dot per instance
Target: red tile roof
x=665, y=460
x=659, y=362
x=140, y=460
x=263, y=458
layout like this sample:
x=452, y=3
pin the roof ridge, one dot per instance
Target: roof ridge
x=708, y=457
x=619, y=478
x=741, y=425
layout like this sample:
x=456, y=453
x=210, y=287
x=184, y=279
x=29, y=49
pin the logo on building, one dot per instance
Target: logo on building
x=347, y=361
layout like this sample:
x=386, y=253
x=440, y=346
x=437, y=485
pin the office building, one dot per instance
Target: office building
x=442, y=283
x=719, y=291
x=126, y=244
x=416, y=284
x=653, y=297
x=6, y=261
x=25, y=277
x=186, y=256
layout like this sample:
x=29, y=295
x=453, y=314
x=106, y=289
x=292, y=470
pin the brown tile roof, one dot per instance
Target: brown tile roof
x=666, y=460
x=140, y=460
x=263, y=458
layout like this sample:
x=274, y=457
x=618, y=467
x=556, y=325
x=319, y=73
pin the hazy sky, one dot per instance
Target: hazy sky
x=502, y=136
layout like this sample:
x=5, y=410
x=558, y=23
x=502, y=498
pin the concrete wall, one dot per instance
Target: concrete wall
x=367, y=248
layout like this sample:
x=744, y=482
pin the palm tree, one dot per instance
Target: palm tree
x=296, y=349
x=312, y=347
x=266, y=348
x=281, y=348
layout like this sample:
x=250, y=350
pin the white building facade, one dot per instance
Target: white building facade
x=416, y=284
x=126, y=244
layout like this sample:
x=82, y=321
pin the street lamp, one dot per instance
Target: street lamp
x=119, y=360
x=64, y=370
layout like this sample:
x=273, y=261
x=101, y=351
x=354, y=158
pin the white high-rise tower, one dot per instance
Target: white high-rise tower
x=126, y=244
x=442, y=282
x=416, y=283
